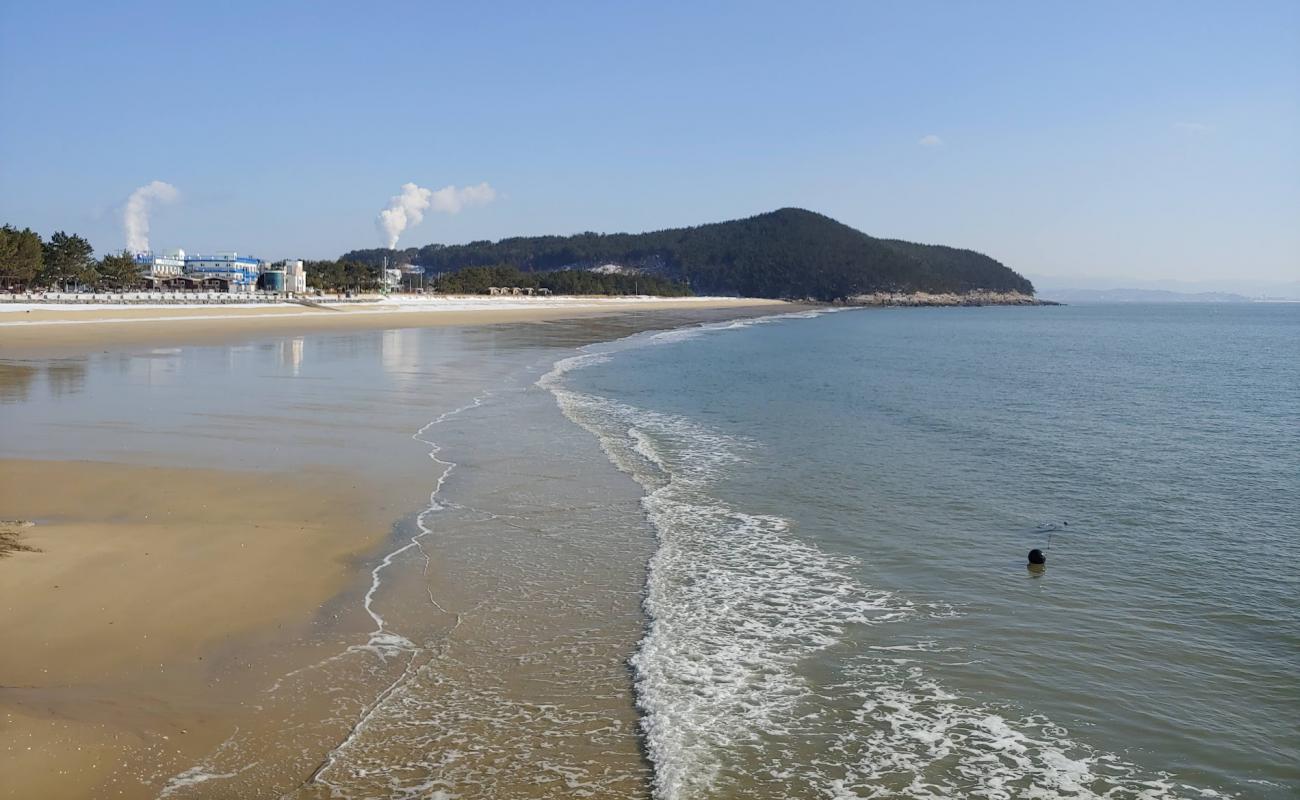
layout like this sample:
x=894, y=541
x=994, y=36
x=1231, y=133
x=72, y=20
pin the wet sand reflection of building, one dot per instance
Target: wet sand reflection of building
x=16, y=382
x=65, y=377
x=290, y=354
x=157, y=367
x=400, y=353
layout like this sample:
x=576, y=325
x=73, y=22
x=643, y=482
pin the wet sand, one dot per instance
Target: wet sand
x=140, y=584
x=61, y=331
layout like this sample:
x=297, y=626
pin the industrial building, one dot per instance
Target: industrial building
x=295, y=276
x=231, y=272
x=239, y=271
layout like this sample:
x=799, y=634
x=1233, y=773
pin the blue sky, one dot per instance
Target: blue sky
x=1138, y=139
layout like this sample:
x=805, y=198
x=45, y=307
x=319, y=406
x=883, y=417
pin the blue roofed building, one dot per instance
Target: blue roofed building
x=239, y=271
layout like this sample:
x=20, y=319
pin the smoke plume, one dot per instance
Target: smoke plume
x=136, y=216
x=407, y=208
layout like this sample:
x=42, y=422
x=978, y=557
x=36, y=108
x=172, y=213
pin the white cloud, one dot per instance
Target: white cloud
x=930, y=140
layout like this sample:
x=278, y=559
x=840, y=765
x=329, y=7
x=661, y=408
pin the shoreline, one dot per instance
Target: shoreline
x=201, y=619
x=93, y=327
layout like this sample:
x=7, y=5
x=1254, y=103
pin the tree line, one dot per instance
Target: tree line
x=342, y=276
x=477, y=280
x=350, y=275
x=66, y=261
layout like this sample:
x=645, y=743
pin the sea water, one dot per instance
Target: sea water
x=839, y=603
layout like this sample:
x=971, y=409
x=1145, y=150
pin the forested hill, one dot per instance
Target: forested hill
x=790, y=253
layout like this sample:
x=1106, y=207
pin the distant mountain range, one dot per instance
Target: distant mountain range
x=1142, y=296
x=789, y=253
x=1086, y=289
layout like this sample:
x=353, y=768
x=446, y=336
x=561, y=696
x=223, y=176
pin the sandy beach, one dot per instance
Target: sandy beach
x=138, y=586
x=201, y=528
x=61, y=329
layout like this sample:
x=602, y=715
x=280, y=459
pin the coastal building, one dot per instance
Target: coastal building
x=271, y=280
x=186, y=283
x=287, y=276
x=518, y=291
x=413, y=277
x=239, y=271
x=295, y=276
x=175, y=270
x=161, y=265
x=392, y=278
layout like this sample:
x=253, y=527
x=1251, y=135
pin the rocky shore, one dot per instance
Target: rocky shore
x=920, y=299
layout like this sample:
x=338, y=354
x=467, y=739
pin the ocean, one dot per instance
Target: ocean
x=839, y=603
x=689, y=557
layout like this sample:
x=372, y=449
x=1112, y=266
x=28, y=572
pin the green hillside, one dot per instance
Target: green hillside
x=790, y=253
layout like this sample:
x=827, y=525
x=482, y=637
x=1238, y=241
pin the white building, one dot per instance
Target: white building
x=241, y=272
x=295, y=279
x=161, y=265
x=295, y=276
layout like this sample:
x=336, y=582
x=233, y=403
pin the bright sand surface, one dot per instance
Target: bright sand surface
x=141, y=587
x=57, y=329
x=146, y=627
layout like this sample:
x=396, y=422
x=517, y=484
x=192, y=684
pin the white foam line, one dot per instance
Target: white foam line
x=381, y=639
x=690, y=332
x=201, y=773
x=658, y=727
x=601, y=351
x=197, y=775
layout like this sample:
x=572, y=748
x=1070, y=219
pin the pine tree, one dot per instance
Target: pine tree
x=69, y=261
x=117, y=271
x=20, y=256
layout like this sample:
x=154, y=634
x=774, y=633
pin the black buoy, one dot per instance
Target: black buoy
x=1036, y=556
